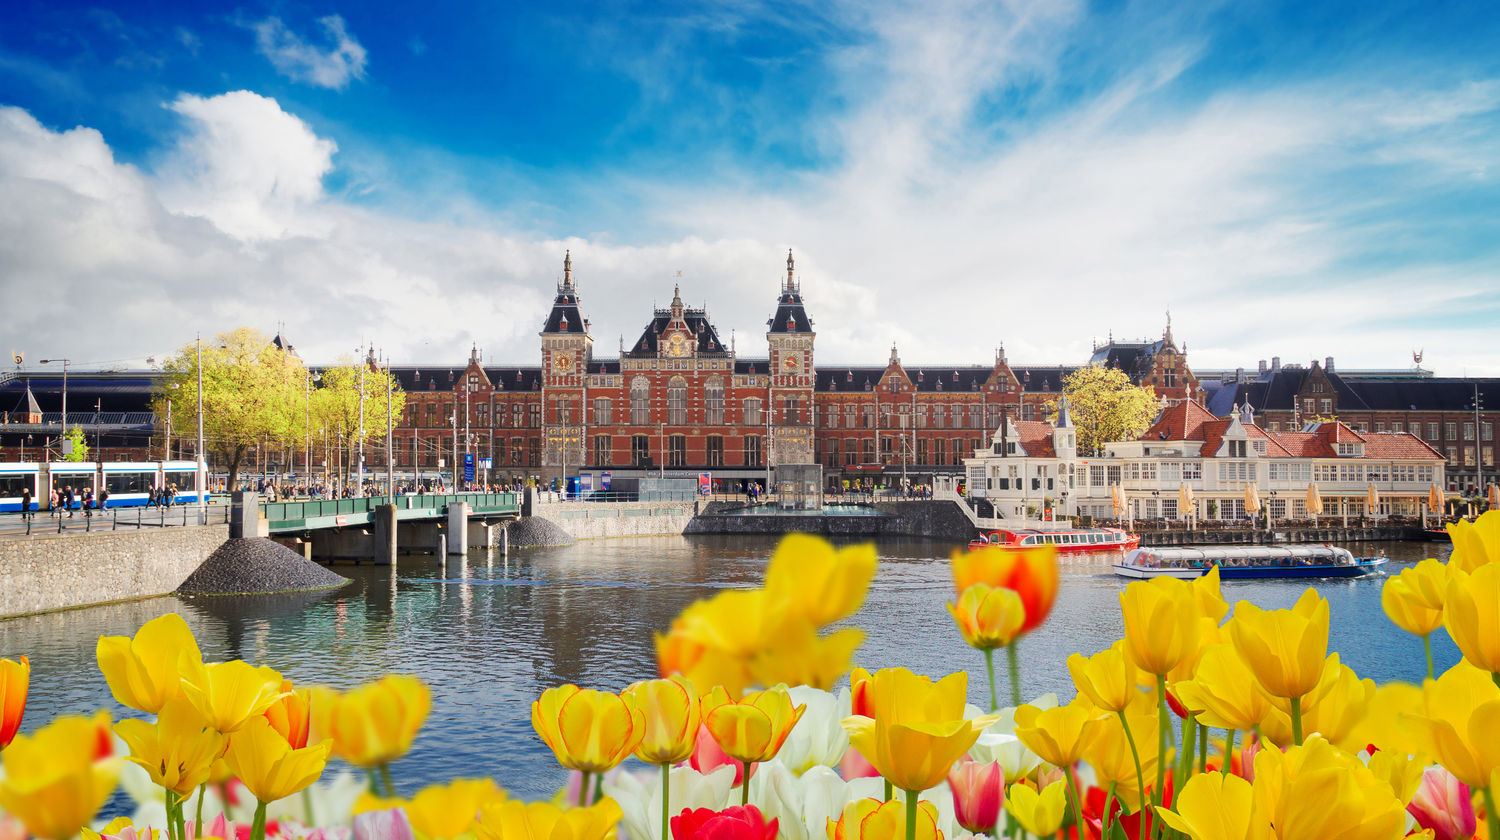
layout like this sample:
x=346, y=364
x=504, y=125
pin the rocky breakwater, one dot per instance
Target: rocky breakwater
x=257, y=565
x=535, y=532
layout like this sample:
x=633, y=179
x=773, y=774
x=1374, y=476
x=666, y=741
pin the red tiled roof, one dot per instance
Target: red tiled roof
x=1398, y=445
x=1036, y=438
x=1183, y=421
x=1213, y=438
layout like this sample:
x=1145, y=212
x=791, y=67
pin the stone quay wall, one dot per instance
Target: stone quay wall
x=605, y=520
x=931, y=518
x=45, y=573
x=1249, y=536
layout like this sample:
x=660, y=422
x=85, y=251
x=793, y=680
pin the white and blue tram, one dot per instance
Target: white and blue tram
x=129, y=483
x=178, y=476
x=15, y=480
x=80, y=476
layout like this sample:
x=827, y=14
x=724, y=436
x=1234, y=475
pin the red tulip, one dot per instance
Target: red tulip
x=978, y=792
x=1445, y=805
x=733, y=823
x=707, y=757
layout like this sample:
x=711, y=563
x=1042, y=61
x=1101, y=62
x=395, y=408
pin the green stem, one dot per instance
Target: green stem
x=911, y=814
x=745, y=785
x=385, y=777
x=170, y=801
x=1496, y=677
x=258, y=827
x=583, y=790
x=666, y=798
x=1297, y=721
x=989, y=665
x=1015, y=673
x=1427, y=649
x=1109, y=810
x=890, y=792
x=598, y=788
x=374, y=783
x=1163, y=727
x=1077, y=800
x=1229, y=752
x=1202, y=748
x=1491, y=818
x=307, y=807
x=198, y=817
x=1140, y=779
x=1185, y=752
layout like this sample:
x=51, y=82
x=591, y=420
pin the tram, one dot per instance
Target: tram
x=129, y=483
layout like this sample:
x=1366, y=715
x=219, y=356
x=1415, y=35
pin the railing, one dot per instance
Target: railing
x=88, y=520
x=329, y=513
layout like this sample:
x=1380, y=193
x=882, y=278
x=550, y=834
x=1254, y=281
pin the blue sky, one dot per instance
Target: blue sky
x=1289, y=179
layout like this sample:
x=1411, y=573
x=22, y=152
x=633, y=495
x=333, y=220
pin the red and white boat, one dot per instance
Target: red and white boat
x=1066, y=539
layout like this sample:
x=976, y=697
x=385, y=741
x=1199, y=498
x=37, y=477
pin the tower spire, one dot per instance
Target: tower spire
x=568, y=267
x=791, y=267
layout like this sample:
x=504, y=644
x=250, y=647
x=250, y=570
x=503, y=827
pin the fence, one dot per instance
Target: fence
x=111, y=519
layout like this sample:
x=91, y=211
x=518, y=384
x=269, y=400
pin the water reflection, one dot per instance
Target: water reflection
x=489, y=632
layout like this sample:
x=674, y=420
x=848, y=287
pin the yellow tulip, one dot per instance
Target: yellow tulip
x=988, y=616
x=178, y=750
x=228, y=694
x=736, y=621
x=146, y=671
x=268, y=765
x=796, y=655
x=375, y=723
x=901, y=696
x=58, y=777
x=1402, y=773
x=1285, y=649
x=588, y=730
x=438, y=812
x=753, y=728
x=1106, y=749
x=15, y=682
x=1108, y=678
x=1223, y=692
x=1473, y=615
x=871, y=819
x=1475, y=543
x=1209, y=596
x=1318, y=790
x=1039, y=813
x=679, y=651
x=512, y=820
x=671, y=715
x=291, y=715
x=1385, y=725
x=1214, y=806
x=1459, y=724
x=1161, y=623
x=1334, y=708
x=816, y=581
x=1413, y=599
x=1055, y=734
x=909, y=727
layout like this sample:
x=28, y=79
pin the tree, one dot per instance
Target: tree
x=80, y=445
x=1106, y=407
x=252, y=392
x=336, y=404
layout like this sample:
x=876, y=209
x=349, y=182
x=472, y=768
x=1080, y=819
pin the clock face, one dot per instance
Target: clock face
x=562, y=361
x=677, y=345
x=791, y=362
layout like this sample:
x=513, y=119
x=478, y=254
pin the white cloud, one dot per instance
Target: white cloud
x=332, y=64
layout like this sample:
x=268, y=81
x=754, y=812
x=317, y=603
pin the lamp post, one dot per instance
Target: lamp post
x=390, y=422
x=64, y=390
x=307, y=383
x=200, y=483
x=359, y=486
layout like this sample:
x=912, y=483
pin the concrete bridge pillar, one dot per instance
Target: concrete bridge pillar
x=385, y=535
x=244, y=516
x=458, y=527
x=480, y=533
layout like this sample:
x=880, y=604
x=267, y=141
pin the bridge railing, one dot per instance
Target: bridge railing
x=361, y=509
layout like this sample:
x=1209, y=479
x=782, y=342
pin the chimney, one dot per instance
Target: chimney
x=1328, y=364
x=1239, y=374
x=1262, y=365
x=1275, y=363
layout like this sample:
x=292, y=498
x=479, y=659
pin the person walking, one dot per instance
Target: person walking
x=68, y=500
x=26, y=503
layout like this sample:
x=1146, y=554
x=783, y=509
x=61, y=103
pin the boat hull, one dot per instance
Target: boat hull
x=1360, y=569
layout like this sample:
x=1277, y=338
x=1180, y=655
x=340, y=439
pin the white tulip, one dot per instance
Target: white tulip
x=822, y=799
x=638, y=794
x=998, y=742
x=779, y=795
x=818, y=739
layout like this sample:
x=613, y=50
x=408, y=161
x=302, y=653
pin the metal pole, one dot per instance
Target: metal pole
x=455, y=445
x=468, y=435
x=200, y=477
x=307, y=425
x=166, y=450
x=390, y=439
x=65, y=397
x=1478, y=436
x=359, y=486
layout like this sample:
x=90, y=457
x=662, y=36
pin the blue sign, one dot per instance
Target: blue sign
x=468, y=467
x=486, y=463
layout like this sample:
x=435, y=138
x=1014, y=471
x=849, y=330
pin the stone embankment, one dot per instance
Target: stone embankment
x=1250, y=536
x=930, y=518
x=255, y=565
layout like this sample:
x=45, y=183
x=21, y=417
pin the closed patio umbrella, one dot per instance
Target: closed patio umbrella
x=1184, y=499
x=1495, y=497
x=1117, y=499
x=1252, y=497
x=1372, y=500
x=1434, y=500
x=1314, y=500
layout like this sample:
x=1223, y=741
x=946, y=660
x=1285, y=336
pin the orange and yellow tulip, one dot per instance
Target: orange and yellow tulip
x=988, y=616
x=1472, y=614
x=753, y=728
x=818, y=582
x=1161, y=623
x=1040, y=813
x=373, y=724
x=1031, y=572
x=291, y=715
x=1284, y=649
x=588, y=730
x=796, y=655
x=228, y=694
x=544, y=821
x=270, y=768
x=58, y=777
x=871, y=819
x=671, y=714
x=146, y=671
x=15, y=682
x=178, y=750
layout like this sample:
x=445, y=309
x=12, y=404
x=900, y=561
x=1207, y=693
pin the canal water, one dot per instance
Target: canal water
x=489, y=633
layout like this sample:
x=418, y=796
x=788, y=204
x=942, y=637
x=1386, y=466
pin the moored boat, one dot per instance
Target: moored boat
x=1066, y=539
x=1253, y=561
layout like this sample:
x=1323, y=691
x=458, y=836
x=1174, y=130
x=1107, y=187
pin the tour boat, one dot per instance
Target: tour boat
x=1251, y=561
x=1066, y=539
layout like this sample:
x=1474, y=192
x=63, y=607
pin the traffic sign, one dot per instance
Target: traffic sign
x=468, y=467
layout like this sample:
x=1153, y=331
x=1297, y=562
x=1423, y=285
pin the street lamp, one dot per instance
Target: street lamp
x=313, y=376
x=64, y=389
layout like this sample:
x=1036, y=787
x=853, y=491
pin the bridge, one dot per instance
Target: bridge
x=373, y=528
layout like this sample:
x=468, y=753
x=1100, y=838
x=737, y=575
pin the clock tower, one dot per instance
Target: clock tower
x=791, y=375
x=567, y=349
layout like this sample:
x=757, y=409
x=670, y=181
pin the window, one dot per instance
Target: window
x=1450, y=431
x=868, y=418
x=518, y=417
x=958, y=452
x=1432, y=431
x=1325, y=406
x=1468, y=457
x=886, y=448
x=562, y=410
x=515, y=451
x=851, y=451
x=640, y=451
x=1398, y=427
x=752, y=412
x=603, y=411
x=535, y=414
x=1468, y=431
x=752, y=449
x=885, y=416
x=830, y=448
x=1489, y=456
x=851, y=414
x=1236, y=448
x=677, y=453
x=922, y=450
x=1028, y=412
x=1096, y=476
x=1487, y=431
x=716, y=450
x=976, y=416
x=677, y=401
x=602, y=455
x=1379, y=427
x=1309, y=406
x=1192, y=470
x=713, y=401
x=640, y=401
x=939, y=451
x=534, y=447
x=831, y=416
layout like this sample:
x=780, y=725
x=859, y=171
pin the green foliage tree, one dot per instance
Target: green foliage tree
x=336, y=403
x=80, y=445
x=252, y=394
x=1106, y=407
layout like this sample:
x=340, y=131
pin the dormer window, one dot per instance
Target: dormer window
x=1237, y=448
x=1351, y=450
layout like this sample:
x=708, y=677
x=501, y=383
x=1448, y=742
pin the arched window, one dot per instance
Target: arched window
x=640, y=401
x=713, y=401
x=677, y=401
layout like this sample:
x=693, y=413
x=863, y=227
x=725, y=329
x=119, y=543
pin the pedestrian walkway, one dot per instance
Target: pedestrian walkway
x=40, y=523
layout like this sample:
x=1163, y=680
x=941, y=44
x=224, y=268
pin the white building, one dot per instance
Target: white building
x=1027, y=470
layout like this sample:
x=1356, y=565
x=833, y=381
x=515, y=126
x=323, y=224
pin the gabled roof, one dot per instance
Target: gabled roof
x=697, y=322
x=1180, y=421
x=1397, y=445
x=1036, y=437
x=565, y=316
x=1213, y=437
x=790, y=316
